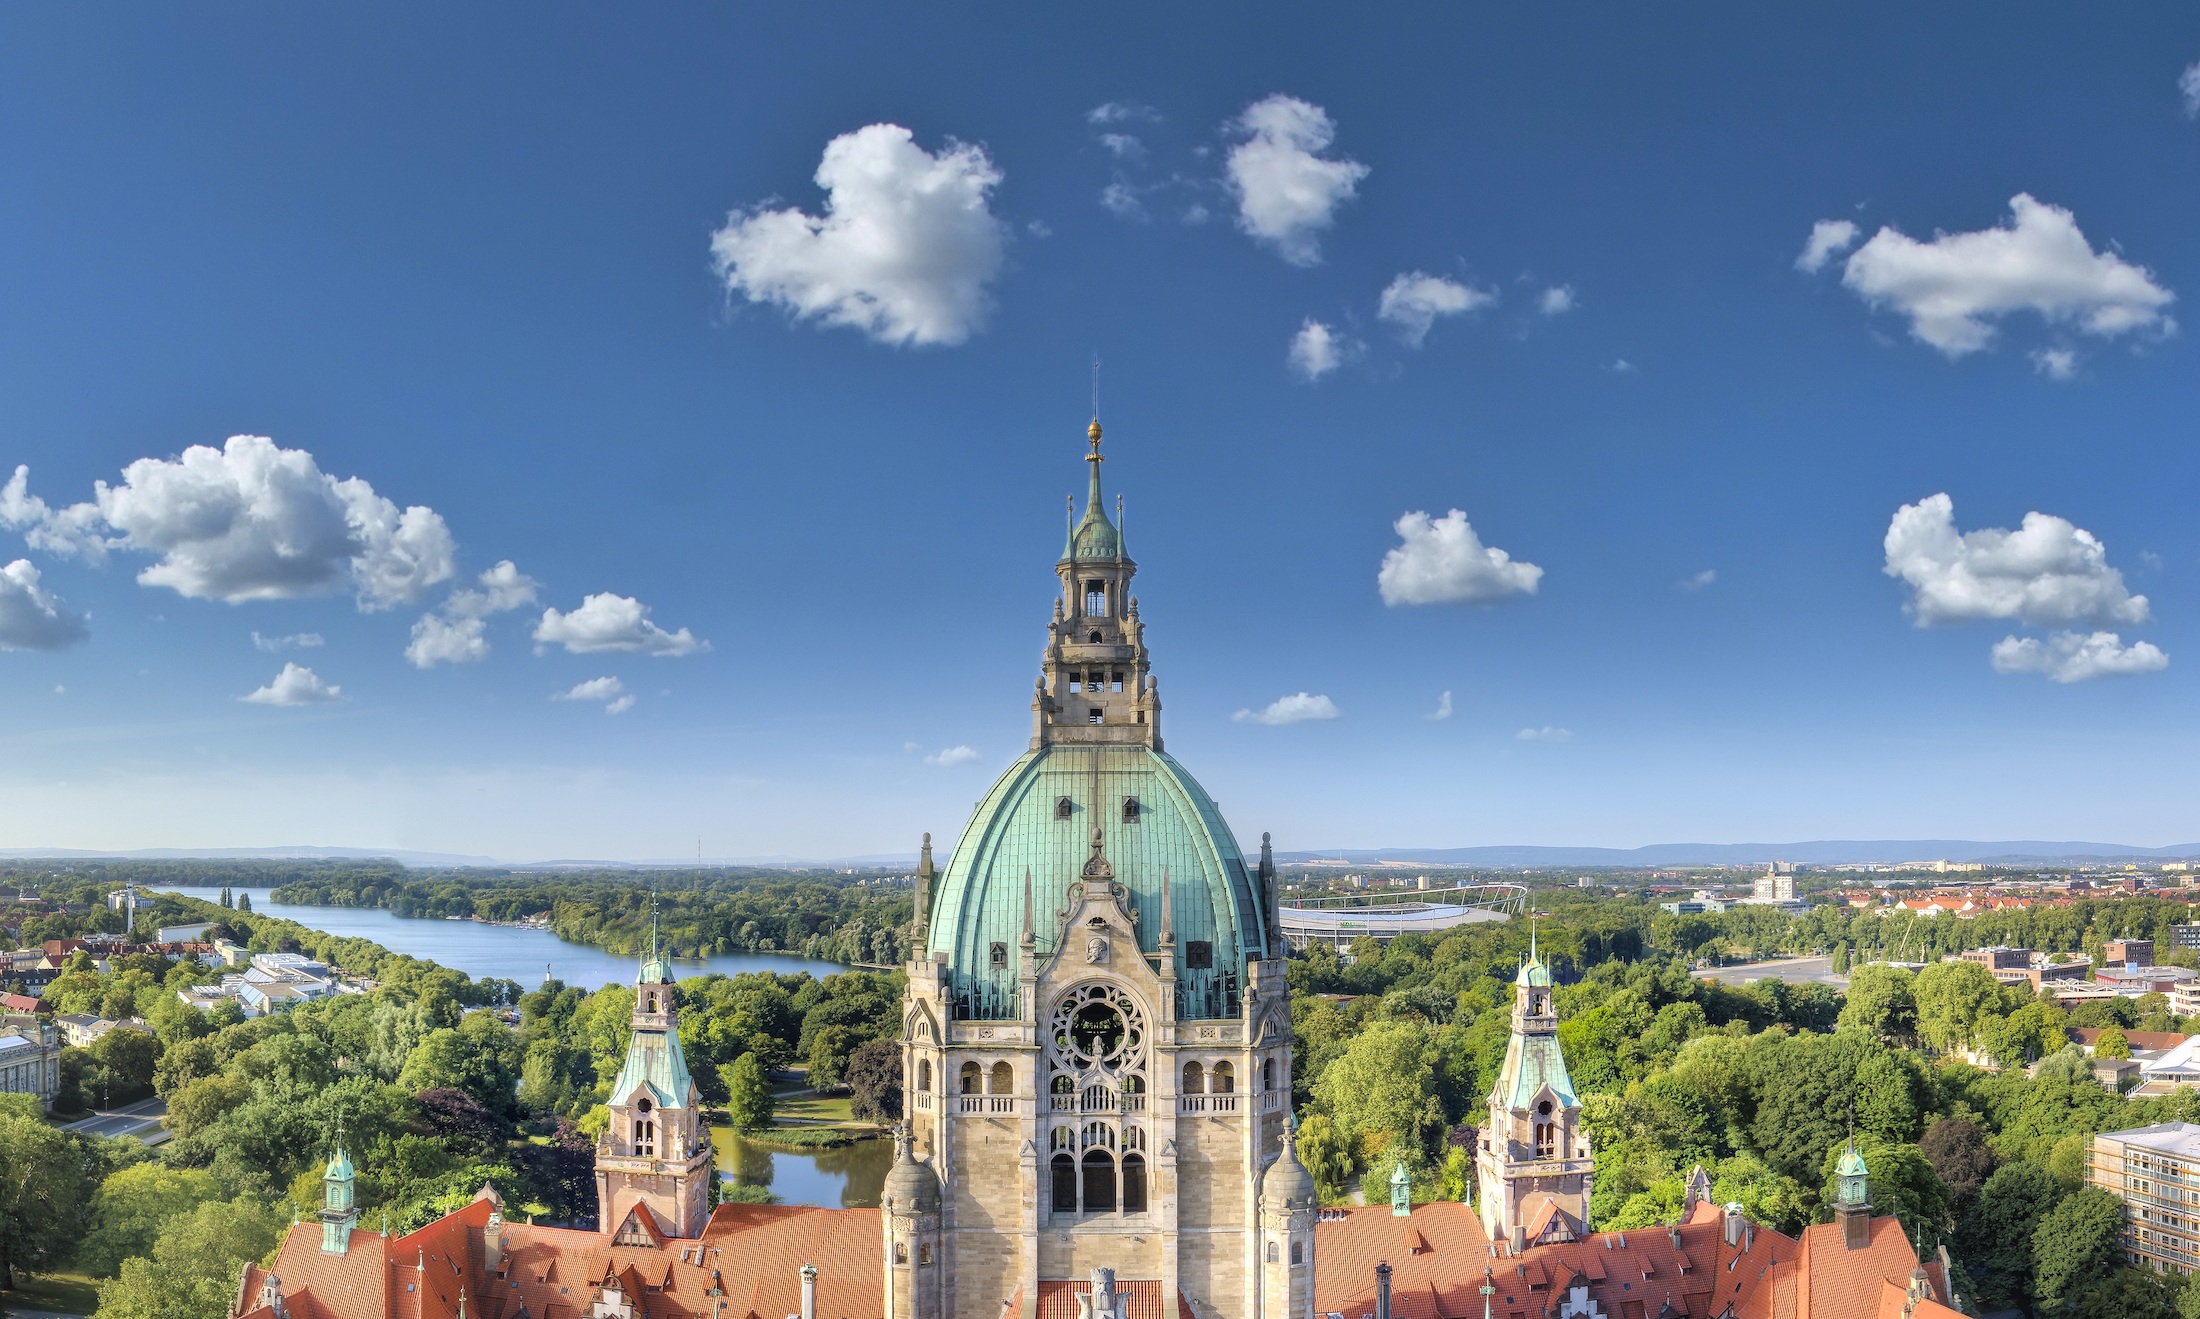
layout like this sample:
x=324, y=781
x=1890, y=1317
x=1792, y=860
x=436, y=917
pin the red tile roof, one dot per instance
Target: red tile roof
x=1839, y=1283
x=1632, y=1275
x=747, y=1262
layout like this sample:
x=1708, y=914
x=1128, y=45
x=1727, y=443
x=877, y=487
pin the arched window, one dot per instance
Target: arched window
x=970, y=1083
x=1096, y=597
x=1003, y=1080
x=924, y=1074
x=1195, y=1081
x=924, y=1255
x=1267, y=1073
x=1272, y=1256
x=1064, y=1169
x=1099, y=1182
x=1546, y=1140
x=1134, y=1184
x=901, y=1252
x=1298, y=1252
x=1223, y=1079
x=1064, y=1084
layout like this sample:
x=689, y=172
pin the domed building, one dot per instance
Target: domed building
x=1097, y=1031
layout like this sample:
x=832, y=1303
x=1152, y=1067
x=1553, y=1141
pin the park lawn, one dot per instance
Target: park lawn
x=68, y=1293
x=810, y=1106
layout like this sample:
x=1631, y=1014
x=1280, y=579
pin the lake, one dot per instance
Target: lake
x=850, y=1177
x=502, y=951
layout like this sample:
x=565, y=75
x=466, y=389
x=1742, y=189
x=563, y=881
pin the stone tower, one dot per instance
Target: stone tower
x=909, y=1209
x=1533, y=1169
x=654, y=1157
x=1287, y=1208
x=1097, y=1032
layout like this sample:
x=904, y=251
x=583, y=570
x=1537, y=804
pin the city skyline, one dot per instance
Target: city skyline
x=631, y=435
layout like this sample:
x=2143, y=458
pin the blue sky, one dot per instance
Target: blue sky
x=468, y=259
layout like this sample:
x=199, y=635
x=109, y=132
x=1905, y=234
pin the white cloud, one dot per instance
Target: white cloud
x=1443, y=707
x=1828, y=239
x=2188, y=83
x=1123, y=146
x=1556, y=301
x=2046, y=573
x=613, y=693
x=1622, y=367
x=607, y=622
x=295, y=685
x=1317, y=350
x=1297, y=708
x=1287, y=194
x=1953, y=287
x=70, y=532
x=952, y=756
x=32, y=617
x=904, y=250
x=1196, y=214
x=1120, y=199
x=251, y=521
x=2076, y=657
x=1442, y=561
x=2055, y=363
x=1122, y=112
x=458, y=632
x=1698, y=581
x=1414, y=300
x=300, y=640
x=1545, y=734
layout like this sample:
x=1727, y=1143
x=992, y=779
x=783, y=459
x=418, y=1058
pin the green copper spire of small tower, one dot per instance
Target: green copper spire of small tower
x=339, y=1198
x=1401, y=1191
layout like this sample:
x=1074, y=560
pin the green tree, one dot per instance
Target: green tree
x=2111, y=1043
x=129, y=1057
x=1995, y=1237
x=2075, y=1245
x=132, y=1205
x=192, y=1273
x=41, y=1190
x=1379, y=1089
x=749, y=1102
x=1954, y=999
x=1882, y=1000
x=1327, y=1154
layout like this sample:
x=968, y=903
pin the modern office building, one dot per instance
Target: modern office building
x=2155, y=1171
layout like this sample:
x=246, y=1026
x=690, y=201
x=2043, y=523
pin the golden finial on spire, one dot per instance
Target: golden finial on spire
x=1092, y=433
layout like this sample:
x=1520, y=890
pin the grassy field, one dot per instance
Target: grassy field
x=809, y=1106
x=68, y=1293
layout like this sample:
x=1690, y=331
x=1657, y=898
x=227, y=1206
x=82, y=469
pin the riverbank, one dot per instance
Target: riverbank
x=482, y=950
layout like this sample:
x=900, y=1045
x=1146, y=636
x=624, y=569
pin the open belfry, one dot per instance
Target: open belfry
x=1097, y=1031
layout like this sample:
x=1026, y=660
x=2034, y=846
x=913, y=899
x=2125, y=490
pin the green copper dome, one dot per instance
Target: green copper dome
x=1852, y=1163
x=1154, y=820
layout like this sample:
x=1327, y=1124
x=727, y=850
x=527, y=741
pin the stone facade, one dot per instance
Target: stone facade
x=1098, y=1100
x=654, y=1155
x=1533, y=1168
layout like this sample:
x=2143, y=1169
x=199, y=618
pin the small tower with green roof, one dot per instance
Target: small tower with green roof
x=1852, y=1198
x=1533, y=1152
x=339, y=1198
x=654, y=1157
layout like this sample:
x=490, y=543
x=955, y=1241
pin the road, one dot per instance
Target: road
x=1794, y=970
x=142, y=1120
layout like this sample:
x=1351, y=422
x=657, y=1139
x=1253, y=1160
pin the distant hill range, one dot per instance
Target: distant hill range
x=1820, y=853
